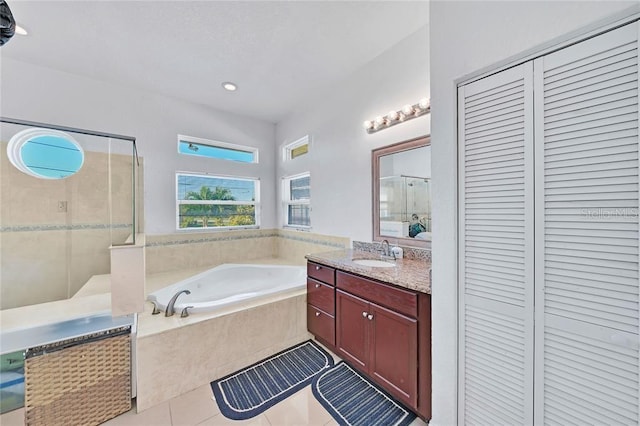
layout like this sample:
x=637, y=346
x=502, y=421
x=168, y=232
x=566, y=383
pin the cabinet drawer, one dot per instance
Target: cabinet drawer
x=403, y=301
x=321, y=295
x=321, y=324
x=321, y=273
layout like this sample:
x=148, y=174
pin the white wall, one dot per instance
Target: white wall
x=340, y=156
x=465, y=37
x=36, y=93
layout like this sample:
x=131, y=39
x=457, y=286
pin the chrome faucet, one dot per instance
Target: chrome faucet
x=386, y=252
x=170, y=309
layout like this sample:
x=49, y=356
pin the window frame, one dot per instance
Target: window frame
x=288, y=149
x=287, y=201
x=218, y=144
x=256, y=203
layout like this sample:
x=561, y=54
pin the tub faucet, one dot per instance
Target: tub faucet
x=170, y=309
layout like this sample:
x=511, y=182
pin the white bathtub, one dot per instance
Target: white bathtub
x=230, y=283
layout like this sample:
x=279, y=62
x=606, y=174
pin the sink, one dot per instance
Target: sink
x=374, y=263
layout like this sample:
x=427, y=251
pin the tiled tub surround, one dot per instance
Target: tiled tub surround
x=199, y=249
x=176, y=355
x=408, y=273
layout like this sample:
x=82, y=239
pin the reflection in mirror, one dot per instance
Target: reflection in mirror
x=402, y=192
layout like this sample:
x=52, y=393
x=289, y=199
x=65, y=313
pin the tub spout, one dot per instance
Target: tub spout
x=170, y=309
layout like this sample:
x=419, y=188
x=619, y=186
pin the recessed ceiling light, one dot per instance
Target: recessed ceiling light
x=21, y=31
x=229, y=86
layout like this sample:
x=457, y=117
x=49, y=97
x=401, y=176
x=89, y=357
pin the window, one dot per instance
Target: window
x=297, y=148
x=297, y=198
x=213, y=149
x=45, y=154
x=217, y=202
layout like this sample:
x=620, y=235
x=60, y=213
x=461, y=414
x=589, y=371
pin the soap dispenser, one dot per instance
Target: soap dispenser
x=397, y=251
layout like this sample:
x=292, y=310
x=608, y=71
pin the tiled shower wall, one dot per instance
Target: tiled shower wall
x=192, y=250
x=47, y=254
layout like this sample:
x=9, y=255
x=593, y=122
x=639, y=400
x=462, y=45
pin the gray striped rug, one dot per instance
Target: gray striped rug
x=353, y=400
x=251, y=391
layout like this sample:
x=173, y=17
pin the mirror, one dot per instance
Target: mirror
x=402, y=193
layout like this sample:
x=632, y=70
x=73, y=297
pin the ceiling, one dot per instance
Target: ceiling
x=276, y=52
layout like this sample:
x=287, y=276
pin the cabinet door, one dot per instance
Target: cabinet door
x=321, y=324
x=394, y=353
x=352, y=328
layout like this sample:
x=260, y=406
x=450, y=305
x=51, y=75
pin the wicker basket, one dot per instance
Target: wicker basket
x=81, y=382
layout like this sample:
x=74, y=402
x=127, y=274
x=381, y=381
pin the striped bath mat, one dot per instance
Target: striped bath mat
x=251, y=391
x=353, y=400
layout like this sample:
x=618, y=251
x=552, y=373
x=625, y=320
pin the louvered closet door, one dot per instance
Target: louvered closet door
x=586, y=156
x=496, y=249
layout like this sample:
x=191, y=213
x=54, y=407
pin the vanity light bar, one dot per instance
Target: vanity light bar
x=395, y=117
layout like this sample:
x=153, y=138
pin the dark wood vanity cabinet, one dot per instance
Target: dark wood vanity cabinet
x=381, y=342
x=383, y=330
x=321, y=303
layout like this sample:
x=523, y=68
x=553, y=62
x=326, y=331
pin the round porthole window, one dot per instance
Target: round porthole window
x=45, y=154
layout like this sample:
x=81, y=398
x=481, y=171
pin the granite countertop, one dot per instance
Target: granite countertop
x=408, y=273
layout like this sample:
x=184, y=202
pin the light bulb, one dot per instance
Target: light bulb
x=402, y=117
x=393, y=115
x=379, y=120
x=407, y=109
x=21, y=30
x=228, y=85
x=424, y=103
x=367, y=125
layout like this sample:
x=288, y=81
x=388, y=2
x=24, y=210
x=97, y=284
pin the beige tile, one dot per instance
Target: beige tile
x=13, y=418
x=249, y=335
x=332, y=422
x=160, y=415
x=193, y=407
x=302, y=408
x=34, y=267
x=218, y=420
x=336, y=358
x=418, y=422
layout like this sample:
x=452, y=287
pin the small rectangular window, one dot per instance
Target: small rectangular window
x=297, y=148
x=297, y=200
x=189, y=145
x=217, y=202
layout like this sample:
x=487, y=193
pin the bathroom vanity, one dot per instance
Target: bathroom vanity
x=378, y=319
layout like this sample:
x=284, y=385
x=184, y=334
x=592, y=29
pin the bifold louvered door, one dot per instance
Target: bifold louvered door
x=586, y=279
x=496, y=249
x=549, y=212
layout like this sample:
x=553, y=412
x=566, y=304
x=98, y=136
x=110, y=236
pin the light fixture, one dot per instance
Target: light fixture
x=21, y=30
x=231, y=87
x=407, y=112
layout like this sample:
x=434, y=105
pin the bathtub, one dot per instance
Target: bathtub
x=228, y=284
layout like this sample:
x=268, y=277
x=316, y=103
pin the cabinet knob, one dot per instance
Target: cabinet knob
x=317, y=285
x=317, y=314
x=364, y=314
x=370, y=317
x=317, y=268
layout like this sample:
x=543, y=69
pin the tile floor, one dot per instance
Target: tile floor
x=198, y=408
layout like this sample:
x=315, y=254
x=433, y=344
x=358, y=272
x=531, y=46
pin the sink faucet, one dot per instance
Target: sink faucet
x=386, y=251
x=383, y=244
x=170, y=309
